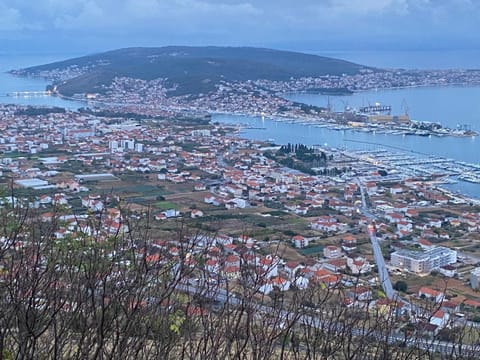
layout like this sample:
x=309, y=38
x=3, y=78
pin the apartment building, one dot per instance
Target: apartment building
x=423, y=261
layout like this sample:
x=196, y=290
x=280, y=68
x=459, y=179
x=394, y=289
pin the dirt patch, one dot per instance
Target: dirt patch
x=286, y=252
x=453, y=288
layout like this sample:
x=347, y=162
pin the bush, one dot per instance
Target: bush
x=401, y=286
x=289, y=233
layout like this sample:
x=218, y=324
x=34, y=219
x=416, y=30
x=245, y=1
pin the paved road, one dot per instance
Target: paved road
x=327, y=324
x=377, y=251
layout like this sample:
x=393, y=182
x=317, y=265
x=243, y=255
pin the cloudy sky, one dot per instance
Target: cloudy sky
x=95, y=25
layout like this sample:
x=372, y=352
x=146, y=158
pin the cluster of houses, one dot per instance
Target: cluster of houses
x=223, y=258
x=233, y=173
x=435, y=312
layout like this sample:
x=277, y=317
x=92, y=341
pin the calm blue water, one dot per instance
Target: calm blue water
x=9, y=83
x=449, y=106
x=462, y=149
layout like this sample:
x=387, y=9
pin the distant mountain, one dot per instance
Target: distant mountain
x=188, y=70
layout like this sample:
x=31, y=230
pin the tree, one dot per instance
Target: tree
x=400, y=286
x=102, y=293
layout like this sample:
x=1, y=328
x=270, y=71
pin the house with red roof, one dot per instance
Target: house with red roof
x=472, y=304
x=394, y=217
x=434, y=295
x=360, y=293
x=371, y=187
x=332, y=251
x=440, y=318
x=299, y=241
x=281, y=283
x=335, y=265
x=196, y=213
x=331, y=281
x=212, y=266
x=425, y=244
x=320, y=274
x=358, y=265
x=349, y=243
x=269, y=265
x=404, y=226
x=411, y=213
x=396, y=189
x=231, y=272
x=292, y=267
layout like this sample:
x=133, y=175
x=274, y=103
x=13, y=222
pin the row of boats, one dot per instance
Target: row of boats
x=446, y=170
x=470, y=177
x=389, y=129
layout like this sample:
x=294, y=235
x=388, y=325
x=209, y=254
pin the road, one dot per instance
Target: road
x=443, y=347
x=377, y=251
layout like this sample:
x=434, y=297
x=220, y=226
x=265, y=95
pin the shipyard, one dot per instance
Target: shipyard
x=378, y=119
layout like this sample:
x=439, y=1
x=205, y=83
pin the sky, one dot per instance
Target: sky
x=97, y=25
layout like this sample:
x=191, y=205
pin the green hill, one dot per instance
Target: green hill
x=192, y=69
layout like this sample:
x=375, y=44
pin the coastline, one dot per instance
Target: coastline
x=457, y=187
x=310, y=120
x=326, y=119
x=311, y=114
x=322, y=122
x=297, y=120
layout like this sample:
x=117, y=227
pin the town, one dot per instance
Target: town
x=268, y=98
x=246, y=203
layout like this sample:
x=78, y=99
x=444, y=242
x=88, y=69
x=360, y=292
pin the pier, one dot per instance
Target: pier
x=29, y=93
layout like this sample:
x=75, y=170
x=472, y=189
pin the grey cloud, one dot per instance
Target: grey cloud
x=264, y=21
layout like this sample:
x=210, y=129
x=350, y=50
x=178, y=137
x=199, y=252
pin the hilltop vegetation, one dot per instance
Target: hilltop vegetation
x=188, y=70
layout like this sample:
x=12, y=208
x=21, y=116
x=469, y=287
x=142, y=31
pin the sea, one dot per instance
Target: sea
x=451, y=106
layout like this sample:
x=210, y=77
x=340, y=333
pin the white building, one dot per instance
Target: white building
x=299, y=241
x=331, y=252
x=358, y=265
x=127, y=144
x=475, y=278
x=139, y=147
x=113, y=145
x=423, y=261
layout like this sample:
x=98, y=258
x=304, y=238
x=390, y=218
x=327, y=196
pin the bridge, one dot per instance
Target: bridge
x=29, y=93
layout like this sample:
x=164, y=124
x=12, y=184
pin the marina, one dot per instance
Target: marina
x=397, y=161
x=390, y=125
x=447, y=171
x=452, y=162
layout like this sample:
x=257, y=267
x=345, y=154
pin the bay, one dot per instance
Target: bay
x=457, y=148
